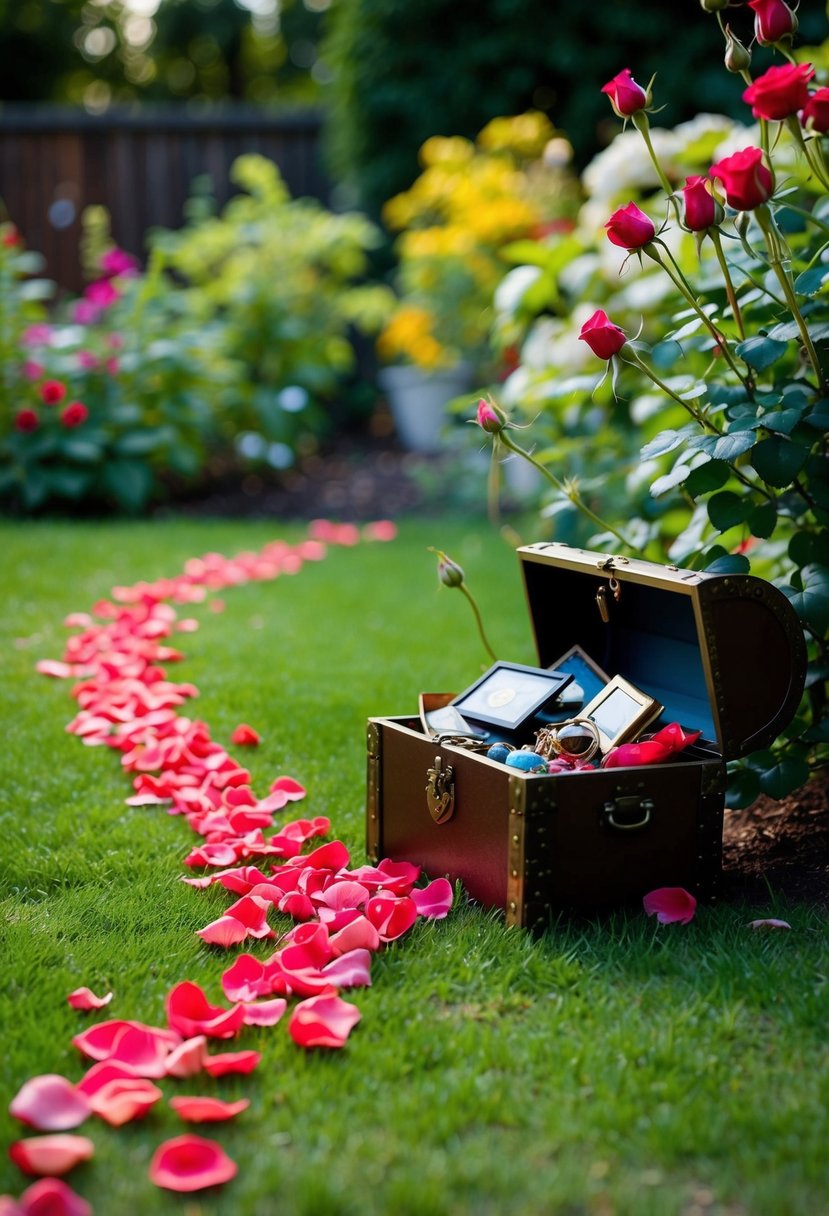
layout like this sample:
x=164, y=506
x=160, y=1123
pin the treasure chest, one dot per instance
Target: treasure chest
x=721, y=654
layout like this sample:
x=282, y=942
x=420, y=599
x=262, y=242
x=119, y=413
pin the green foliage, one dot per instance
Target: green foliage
x=402, y=72
x=705, y=442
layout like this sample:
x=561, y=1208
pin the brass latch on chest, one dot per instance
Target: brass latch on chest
x=440, y=791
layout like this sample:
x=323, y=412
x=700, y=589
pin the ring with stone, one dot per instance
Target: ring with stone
x=577, y=738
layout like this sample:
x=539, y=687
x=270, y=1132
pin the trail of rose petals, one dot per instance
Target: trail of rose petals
x=127, y=703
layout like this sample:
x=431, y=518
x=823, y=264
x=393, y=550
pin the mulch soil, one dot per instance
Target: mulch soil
x=771, y=848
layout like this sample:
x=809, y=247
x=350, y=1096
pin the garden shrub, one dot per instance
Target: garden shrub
x=704, y=444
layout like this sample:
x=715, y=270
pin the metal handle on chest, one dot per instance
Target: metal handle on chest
x=440, y=791
x=627, y=806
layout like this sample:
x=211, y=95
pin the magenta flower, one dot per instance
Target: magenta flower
x=626, y=96
x=489, y=418
x=603, y=337
x=630, y=228
x=701, y=209
x=746, y=179
x=773, y=20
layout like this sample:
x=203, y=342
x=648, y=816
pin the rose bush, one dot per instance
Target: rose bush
x=706, y=447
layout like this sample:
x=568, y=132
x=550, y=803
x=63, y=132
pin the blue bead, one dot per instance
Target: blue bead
x=528, y=762
x=499, y=752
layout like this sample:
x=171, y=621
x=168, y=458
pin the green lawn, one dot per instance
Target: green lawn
x=610, y=1067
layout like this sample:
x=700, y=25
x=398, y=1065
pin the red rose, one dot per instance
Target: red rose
x=626, y=96
x=489, y=417
x=780, y=91
x=815, y=113
x=603, y=337
x=630, y=228
x=75, y=414
x=52, y=391
x=702, y=211
x=773, y=20
x=746, y=180
x=26, y=420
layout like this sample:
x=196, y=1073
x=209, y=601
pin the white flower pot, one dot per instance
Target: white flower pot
x=417, y=400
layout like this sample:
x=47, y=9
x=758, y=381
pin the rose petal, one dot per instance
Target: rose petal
x=101, y=1074
x=670, y=904
x=391, y=915
x=769, y=923
x=293, y=791
x=190, y=1163
x=351, y=970
x=99, y=1041
x=53, y=667
x=265, y=1013
x=322, y=1021
x=190, y=1013
x=226, y=931
x=435, y=900
x=187, y=1060
x=85, y=998
x=52, y=1155
x=244, y=736
x=207, y=1110
x=52, y=1197
x=50, y=1103
x=226, y=1062
x=124, y=1099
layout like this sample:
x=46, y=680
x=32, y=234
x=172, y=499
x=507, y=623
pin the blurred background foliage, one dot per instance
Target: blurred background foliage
x=391, y=73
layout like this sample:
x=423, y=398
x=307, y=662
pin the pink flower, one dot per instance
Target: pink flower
x=207, y=1110
x=630, y=228
x=815, y=114
x=32, y=370
x=37, y=334
x=50, y=1103
x=701, y=209
x=85, y=999
x=244, y=736
x=52, y=1155
x=26, y=420
x=380, y=529
x=626, y=96
x=190, y=1163
x=322, y=1021
x=74, y=414
x=118, y=262
x=781, y=90
x=603, y=337
x=670, y=904
x=489, y=417
x=773, y=20
x=52, y=391
x=747, y=181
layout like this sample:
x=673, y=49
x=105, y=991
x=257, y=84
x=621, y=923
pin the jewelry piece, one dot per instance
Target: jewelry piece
x=464, y=741
x=577, y=737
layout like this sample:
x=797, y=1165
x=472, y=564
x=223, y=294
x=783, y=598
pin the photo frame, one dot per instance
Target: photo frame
x=508, y=694
x=620, y=712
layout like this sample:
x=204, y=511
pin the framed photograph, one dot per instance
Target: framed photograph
x=620, y=712
x=510, y=693
x=438, y=716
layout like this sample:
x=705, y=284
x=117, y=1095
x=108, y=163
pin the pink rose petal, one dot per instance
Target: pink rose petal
x=52, y=1155
x=391, y=915
x=50, y=1103
x=226, y=931
x=352, y=970
x=322, y=1021
x=244, y=736
x=207, y=1110
x=124, y=1099
x=101, y=1074
x=769, y=923
x=222, y=1064
x=670, y=904
x=190, y=1163
x=435, y=900
x=187, y=1060
x=85, y=999
x=52, y=1197
x=265, y=1013
x=190, y=1013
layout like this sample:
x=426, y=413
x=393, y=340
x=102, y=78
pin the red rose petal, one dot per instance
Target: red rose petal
x=50, y=1103
x=51, y=1197
x=351, y=970
x=124, y=1099
x=670, y=904
x=207, y=1110
x=190, y=1013
x=187, y=1060
x=391, y=915
x=243, y=1062
x=435, y=900
x=244, y=736
x=265, y=1013
x=85, y=998
x=100, y=1040
x=190, y=1163
x=293, y=791
x=101, y=1074
x=52, y=1155
x=322, y=1021
x=226, y=931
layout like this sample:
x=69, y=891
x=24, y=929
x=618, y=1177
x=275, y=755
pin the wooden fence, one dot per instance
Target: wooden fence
x=140, y=165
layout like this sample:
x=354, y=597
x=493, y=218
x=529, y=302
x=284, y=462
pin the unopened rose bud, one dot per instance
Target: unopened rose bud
x=489, y=417
x=737, y=57
x=773, y=21
x=626, y=96
x=701, y=210
x=449, y=572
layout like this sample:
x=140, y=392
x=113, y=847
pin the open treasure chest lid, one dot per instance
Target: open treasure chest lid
x=724, y=653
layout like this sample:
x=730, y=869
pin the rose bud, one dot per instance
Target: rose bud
x=746, y=180
x=52, y=391
x=489, y=417
x=449, y=572
x=701, y=209
x=815, y=114
x=780, y=91
x=75, y=414
x=603, y=337
x=626, y=96
x=630, y=228
x=26, y=420
x=737, y=57
x=773, y=20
